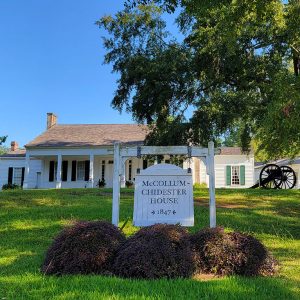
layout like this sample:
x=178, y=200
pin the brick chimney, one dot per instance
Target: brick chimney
x=51, y=120
x=14, y=146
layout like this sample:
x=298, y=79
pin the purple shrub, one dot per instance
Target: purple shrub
x=154, y=252
x=84, y=248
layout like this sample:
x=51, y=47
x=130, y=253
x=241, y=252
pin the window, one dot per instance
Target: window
x=64, y=171
x=17, y=176
x=52, y=171
x=55, y=170
x=235, y=175
x=73, y=171
x=80, y=170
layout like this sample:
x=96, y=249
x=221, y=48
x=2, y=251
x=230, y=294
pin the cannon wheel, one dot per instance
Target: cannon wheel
x=270, y=177
x=288, y=178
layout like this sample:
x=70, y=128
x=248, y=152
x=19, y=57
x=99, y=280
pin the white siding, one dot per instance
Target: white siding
x=221, y=161
x=203, y=176
x=257, y=173
x=297, y=171
x=5, y=163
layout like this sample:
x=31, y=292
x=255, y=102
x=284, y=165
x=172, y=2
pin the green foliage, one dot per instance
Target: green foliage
x=129, y=184
x=281, y=122
x=226, y=68
x=101, y=183
x=3, y=150
x=168, y=133
x=238, y=136
x=2, y=139
x=232, y=138
x=202, y=185
x=10, y=186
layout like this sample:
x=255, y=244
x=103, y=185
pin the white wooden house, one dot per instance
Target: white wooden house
x=78, y=156
x=233, y=169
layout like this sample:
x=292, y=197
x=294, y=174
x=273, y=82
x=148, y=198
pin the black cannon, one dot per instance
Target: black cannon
x=274, y=177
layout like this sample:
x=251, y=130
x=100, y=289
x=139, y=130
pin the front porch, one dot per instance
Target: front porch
x=75, y=168
x=84, y=168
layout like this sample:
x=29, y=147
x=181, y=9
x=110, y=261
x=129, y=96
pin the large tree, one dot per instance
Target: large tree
x=236, y=67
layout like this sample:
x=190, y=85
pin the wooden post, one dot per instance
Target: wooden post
x=116, y=186
x=212, y=197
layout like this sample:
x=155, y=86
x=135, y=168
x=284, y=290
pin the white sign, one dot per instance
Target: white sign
x=163, y=194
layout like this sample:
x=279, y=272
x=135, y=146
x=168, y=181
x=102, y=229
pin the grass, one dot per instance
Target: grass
x=30, y=219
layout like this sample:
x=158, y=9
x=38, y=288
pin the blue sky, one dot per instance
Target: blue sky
x=51, y=59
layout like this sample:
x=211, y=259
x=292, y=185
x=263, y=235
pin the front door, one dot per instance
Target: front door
x=109, y=174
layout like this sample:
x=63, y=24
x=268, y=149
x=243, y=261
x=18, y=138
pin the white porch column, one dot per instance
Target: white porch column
x=58, y=171
x=212, y=198
x=26, y=173
x=91, y=179
x=116, y=186
x=123, y=172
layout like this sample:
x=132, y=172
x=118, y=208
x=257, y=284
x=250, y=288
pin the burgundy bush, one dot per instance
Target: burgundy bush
x=231, y=253
x=254, y=258
x=154, y=252
x=85, y=247
x=215, y=251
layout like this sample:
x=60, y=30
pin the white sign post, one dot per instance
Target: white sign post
x=163, y=194
x=121, y=154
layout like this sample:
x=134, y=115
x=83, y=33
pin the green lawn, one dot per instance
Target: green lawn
x=30, y=219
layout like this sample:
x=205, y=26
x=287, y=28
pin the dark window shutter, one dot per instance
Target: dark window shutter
x=74, y=165
x=145, y=164
x=23, y=175
x=242, y=175
x=228, y=175
x=51, y=171
x=130, y=170
x=87, y=170
x=103, y=170
x=64, y=176
x=10, y=175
